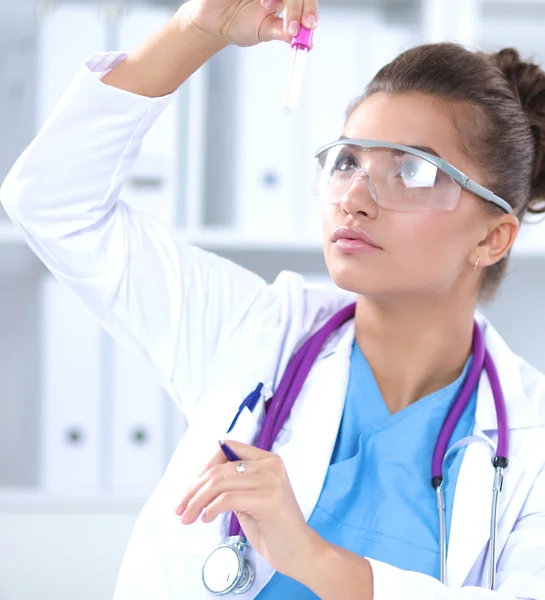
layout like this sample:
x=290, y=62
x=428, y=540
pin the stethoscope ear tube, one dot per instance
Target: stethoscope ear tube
x=498, y=486
x=496, y=490
x=442, y=533
x=481, y=360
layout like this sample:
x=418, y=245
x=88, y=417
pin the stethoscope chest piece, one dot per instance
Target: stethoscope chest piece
x=226, y=570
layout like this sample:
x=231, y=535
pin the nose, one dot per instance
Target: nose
x=360, y=197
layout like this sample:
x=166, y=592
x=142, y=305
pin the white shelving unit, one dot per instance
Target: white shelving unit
x=65, y=34
x=204, y=208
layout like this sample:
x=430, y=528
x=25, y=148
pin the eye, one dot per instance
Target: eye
x=417, y=173
x=409, y=170
x=345, y=162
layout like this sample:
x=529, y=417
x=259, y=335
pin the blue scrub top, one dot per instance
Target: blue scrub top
x=377, y=500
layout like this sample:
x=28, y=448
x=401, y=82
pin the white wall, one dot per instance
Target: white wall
x=58, y=555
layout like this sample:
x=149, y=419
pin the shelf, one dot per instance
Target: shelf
x=217, y=238
x=517, y=6
x=35, y=501
x=530, y=244
x=9, y=235
x=225, y=239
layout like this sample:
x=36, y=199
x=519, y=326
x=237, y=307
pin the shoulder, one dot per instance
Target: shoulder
x=281, y=316
x=533, y=382
x=309, y=304
x=292, y=307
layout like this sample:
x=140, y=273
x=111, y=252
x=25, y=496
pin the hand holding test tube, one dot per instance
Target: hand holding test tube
x=301, y=45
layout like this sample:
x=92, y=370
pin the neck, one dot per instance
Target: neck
x=414, y=347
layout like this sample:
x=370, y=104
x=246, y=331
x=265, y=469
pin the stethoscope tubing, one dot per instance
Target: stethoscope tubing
x=295, y=376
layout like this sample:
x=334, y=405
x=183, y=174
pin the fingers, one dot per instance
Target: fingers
x=272, y=28
x=219, y=505
x=219, y=480
x=242, y=503
x=246, y=451
x=219, y=476
x=272, y=5
x=310, y=14
x=217, y=459
x=292, y=17
x=296, y=13
x=300, y=12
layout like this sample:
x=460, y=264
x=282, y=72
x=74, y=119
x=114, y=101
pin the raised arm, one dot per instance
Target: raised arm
x=176, y=304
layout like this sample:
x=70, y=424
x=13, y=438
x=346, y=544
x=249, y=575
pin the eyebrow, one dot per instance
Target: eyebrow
x=421, y=148
x=426, y=149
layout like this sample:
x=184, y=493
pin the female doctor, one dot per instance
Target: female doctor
x=339, y=504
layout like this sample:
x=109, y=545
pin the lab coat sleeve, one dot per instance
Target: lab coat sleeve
x=175, y=304
x=521, y=566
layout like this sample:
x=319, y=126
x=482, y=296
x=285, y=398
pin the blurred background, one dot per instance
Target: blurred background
x=85, y=432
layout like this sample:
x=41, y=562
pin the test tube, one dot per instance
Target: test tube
x=301, y=45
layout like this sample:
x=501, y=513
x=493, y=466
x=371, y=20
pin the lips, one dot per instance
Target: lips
x=353, y=233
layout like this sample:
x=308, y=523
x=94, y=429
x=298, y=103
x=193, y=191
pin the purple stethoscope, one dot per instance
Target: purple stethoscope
x=227, y=570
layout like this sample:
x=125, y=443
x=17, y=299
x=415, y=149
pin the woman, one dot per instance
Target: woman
x=342, y=507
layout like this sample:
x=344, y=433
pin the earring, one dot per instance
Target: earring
x=476, y=263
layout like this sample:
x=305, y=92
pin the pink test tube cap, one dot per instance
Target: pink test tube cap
x=303, y=39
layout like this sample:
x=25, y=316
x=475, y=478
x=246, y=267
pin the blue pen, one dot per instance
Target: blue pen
x=230, y=455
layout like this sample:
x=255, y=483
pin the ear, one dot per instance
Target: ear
x=500, y=237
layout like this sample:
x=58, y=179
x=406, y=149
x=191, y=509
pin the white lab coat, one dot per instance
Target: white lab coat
x=214, y=330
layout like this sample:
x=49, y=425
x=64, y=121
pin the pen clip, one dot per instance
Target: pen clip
x=250, y=401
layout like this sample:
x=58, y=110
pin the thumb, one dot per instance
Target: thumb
x=272, y=29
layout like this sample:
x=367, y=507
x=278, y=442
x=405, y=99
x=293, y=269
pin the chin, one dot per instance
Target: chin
x=357, y=280
x=367, y=280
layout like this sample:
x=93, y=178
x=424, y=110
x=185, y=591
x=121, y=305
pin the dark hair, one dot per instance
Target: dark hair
x=503, y=118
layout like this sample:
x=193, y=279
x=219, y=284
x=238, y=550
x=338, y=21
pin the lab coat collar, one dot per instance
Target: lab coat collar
x=521, y=411
x=315, y=420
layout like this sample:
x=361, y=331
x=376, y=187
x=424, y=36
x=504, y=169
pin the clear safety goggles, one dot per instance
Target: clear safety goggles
x=397, y=177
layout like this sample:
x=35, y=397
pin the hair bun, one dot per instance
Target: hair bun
x=527, y=80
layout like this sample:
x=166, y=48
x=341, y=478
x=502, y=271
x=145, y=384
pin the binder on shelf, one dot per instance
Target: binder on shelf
x=137, y=425
x=266, y=144
x=71, y=387
x=444, y=21
x=176, y=427
x=191, y=151
x=67, y=35
x=151, y=186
